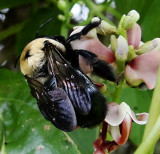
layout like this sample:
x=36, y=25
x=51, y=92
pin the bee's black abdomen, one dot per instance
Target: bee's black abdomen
x=97, y=113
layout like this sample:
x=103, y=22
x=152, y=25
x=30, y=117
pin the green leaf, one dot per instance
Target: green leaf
x=84, y=139
x=151, y=22
x=11, y=3
x=140, y=6
x=25, y=130
x=139, y=101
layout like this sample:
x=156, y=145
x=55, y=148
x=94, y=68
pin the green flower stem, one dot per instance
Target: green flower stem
x=121, y=65
x=151, y=139
x=131, y=53
x=117, y=92
x=2, y=144
x=154, y=115
x=66, y=24
x=122, y=32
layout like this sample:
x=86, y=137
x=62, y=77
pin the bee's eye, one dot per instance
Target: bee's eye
x=27, y=55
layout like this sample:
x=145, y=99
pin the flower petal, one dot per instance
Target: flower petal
x=95, y=46
x=134, y=35
x=115, y=115
x=97, y=143
x=142, y=119
x=143, y=68
x=121, y=137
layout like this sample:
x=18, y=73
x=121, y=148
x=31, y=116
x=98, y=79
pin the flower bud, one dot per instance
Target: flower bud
x=149, y=46
x=134, y=14
x=122, y=49
x=61, y=17
x=130, y=19
x=61, y=5
x=70, y=14
x=113, y=43
x=128, y=22
x=104, y=27
x=80, y=3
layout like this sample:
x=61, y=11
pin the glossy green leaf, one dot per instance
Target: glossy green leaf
x=139, y=101
x=84, y=139
x=151, y=22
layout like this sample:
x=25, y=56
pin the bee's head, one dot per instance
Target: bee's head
x=33, y=59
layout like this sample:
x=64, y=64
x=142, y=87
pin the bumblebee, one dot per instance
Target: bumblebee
x=65, y=95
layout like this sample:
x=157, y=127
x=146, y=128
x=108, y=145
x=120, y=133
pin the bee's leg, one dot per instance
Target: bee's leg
x=51, y=83
x=100, y=67
x=84, y=31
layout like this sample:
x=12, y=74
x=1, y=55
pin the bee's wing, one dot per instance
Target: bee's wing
x=77, y=86
x=54, y=105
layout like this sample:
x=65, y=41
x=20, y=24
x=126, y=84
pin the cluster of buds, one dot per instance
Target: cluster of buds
x=136, y=62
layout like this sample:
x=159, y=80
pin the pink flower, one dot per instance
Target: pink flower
x=144, y=67
x=118, y=123
x=91, y=43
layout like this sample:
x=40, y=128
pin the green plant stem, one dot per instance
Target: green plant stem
x=151, y=139
x=117, y=92
x=2, y=150
x=154, y=114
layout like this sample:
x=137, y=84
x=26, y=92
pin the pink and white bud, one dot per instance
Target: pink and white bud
x=134, y=35
x=122, y=49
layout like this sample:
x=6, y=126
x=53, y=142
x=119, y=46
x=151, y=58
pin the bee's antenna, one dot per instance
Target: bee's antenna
x=15, y=64
x=42, y=26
